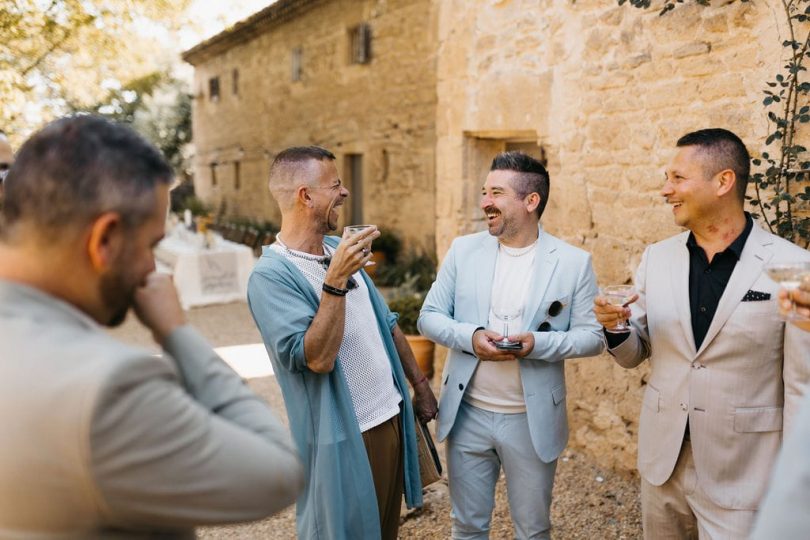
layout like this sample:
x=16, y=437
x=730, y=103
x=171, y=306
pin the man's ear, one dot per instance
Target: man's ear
x=727, y=180
x=532, y=201
x=105, y=241
x=302, y=196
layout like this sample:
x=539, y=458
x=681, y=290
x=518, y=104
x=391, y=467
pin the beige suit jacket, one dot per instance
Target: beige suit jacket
x=737, y=390
x=104, y=440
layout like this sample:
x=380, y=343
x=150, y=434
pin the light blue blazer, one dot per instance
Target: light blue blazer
x=459, y=301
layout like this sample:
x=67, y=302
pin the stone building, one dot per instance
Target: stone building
x=600, y=91
x=355, y=76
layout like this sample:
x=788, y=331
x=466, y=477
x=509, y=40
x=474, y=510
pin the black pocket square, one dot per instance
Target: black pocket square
x=756, y=296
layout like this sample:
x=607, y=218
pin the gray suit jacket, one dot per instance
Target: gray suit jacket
x=459, y=301
x=737, y=390
x=100, y=439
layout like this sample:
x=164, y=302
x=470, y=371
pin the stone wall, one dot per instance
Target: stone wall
x=605, y=91
x=383, y=110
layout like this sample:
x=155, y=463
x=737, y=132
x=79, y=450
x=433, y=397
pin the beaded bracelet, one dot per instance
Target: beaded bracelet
x=337, y=291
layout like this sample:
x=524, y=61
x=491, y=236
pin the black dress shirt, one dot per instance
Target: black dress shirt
x=707, y=281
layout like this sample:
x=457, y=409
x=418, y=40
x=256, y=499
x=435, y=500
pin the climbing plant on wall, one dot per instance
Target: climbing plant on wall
x=781, y=177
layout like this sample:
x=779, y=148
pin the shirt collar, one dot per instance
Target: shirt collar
x=737, y=245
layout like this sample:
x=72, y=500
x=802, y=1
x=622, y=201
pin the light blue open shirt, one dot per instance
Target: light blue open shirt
x=338, y=501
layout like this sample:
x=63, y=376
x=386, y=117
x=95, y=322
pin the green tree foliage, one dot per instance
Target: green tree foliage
x=158, y=106
x=57, y=52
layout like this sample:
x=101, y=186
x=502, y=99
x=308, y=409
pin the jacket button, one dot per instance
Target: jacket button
x=460, y=386
x=683, y=406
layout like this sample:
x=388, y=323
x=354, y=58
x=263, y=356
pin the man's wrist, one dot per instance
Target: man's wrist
x=334, y=291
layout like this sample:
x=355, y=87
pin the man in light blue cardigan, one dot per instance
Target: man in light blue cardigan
x=340, y=359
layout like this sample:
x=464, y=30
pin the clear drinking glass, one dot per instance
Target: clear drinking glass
x=354, y=229
x=618, y=295
x=507, y=315
x=789, y=276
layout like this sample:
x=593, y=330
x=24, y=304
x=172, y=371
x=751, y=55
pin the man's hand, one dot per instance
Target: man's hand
x=157, y=306
x=485, y=349
x=526, y=341
x=353, y=252
x=424, y=402
x=609, y=315
x=799, y=297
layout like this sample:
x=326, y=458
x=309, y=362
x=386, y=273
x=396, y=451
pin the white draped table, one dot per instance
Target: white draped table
x=205, y=275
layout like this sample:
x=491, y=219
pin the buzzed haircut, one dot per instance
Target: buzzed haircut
x=724, y=150
x=79, y=167
x=290, y=167
x=532, y=176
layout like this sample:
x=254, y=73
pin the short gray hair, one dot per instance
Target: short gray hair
x=290, y=169
x=78, y=167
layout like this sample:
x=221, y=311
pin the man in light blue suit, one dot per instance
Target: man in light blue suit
x=503, y=396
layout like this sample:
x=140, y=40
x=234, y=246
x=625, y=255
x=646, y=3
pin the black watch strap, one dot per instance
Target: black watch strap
x=336, y=291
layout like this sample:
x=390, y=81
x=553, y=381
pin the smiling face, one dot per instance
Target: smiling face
x=327, y=194
x=508, y=216
x=692, y=194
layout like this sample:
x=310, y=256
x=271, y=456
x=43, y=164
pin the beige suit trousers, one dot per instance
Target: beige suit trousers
x=679, y=509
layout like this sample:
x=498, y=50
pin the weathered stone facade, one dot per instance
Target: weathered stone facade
x=602, y=92
x=383, y=110
x=606, y=91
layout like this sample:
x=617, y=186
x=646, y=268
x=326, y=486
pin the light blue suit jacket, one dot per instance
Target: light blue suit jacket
x=459, y=302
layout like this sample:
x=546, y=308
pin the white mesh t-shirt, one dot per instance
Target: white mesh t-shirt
x=362, y=352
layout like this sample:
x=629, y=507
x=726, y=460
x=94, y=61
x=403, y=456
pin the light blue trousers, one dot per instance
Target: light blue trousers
x=478, y=445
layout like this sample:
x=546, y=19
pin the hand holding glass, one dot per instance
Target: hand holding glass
x=507, y=314
x=789, y=276
x=354, y=229
x=618, y=295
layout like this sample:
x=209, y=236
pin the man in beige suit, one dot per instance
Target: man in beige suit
x=101, y=439
x=715, y=405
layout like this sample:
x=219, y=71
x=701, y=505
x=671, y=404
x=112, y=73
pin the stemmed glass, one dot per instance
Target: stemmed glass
x=789, y=276
x=507, y=314
x=618, y=295
x=354, y=229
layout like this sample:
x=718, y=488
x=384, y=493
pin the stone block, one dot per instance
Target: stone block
x=692, y=49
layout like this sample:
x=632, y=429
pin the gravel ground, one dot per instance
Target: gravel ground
x=588, y=503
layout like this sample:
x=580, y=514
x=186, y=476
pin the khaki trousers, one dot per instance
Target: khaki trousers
x=384, y=448
x=679, y=509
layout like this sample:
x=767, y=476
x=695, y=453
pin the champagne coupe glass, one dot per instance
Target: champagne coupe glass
x=507, y=314
x=618, y=295
x=789, y=275
x=354, y=229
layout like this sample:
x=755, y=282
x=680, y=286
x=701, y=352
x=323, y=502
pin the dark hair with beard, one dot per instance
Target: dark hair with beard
x=79, y=167
x=532, y=177
x=724, y=150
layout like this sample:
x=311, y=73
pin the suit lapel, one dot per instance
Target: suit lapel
x=679, y=282
x=752, y=259
x=545, y=261
x=484, y=260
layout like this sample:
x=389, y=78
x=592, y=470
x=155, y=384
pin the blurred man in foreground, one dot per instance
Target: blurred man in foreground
x=6, y=160
x=101, y=439
x=784, y=512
